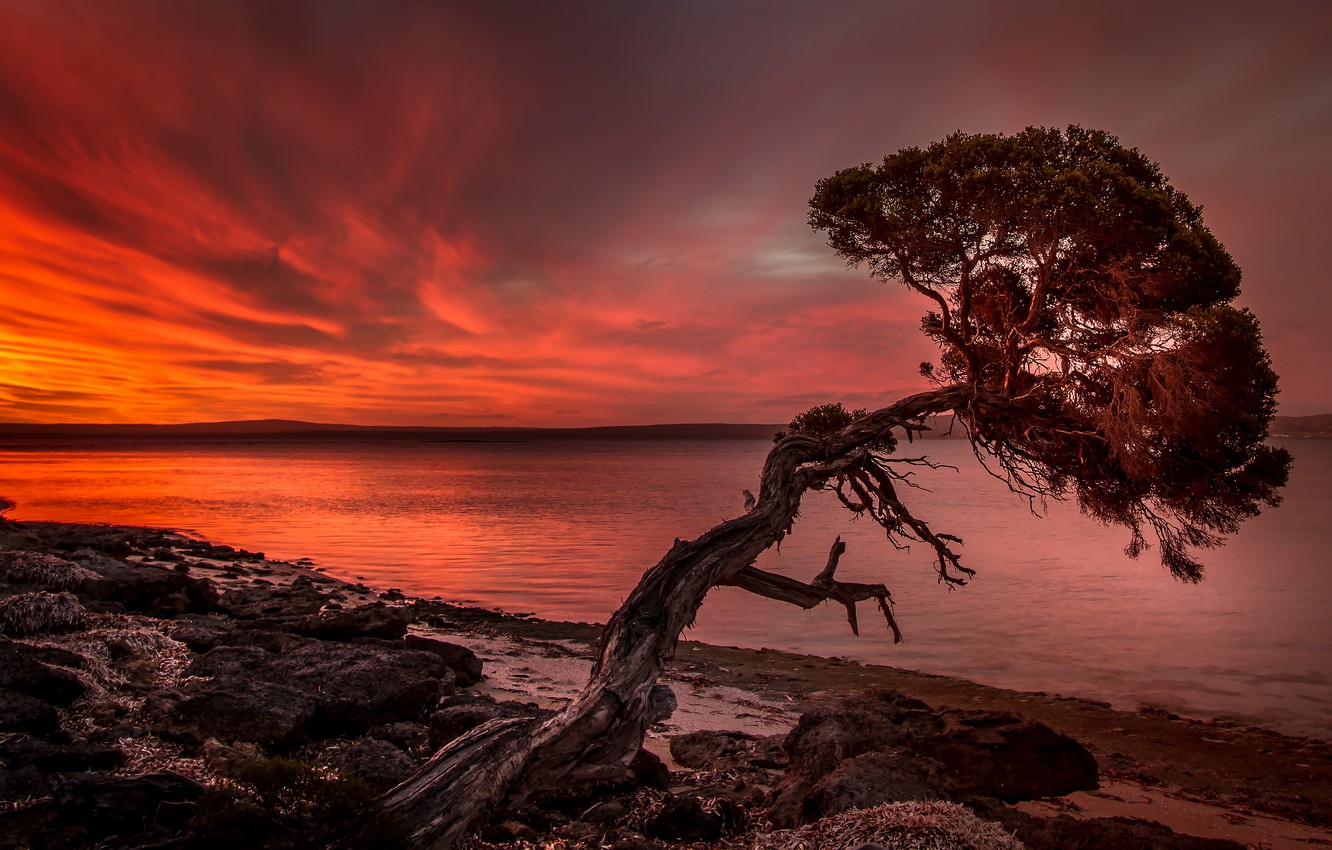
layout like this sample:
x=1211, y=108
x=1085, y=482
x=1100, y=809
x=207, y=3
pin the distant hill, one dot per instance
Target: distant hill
x=1303, y=426
x=292, y=429
x=260, y=429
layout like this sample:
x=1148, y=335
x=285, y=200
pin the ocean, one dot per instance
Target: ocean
x=563, y=530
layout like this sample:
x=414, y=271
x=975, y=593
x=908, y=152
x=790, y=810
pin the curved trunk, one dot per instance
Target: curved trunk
x=597, y=735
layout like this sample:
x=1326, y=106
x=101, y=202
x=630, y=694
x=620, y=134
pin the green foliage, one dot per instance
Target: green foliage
x=1067, y=276
x=281, y=804
x=822, y=420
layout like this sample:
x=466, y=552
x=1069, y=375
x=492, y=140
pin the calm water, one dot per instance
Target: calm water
x=564, y=530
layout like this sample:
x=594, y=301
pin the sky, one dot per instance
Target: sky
x=574, y=213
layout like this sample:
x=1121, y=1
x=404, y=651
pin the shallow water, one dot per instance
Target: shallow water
x=563, y=530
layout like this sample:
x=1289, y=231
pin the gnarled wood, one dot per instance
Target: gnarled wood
x=599, y=733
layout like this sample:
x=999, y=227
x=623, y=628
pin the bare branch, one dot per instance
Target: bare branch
x=823, y=588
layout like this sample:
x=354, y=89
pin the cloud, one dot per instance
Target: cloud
x=574, y=214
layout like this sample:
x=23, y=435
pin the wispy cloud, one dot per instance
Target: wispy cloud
x=570, y=214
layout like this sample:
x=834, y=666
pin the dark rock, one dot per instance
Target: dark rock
x=50, y=757
x=649, y=771
x=607, y=812
x=1066, y=833
x=23, y=713
x=460, y=659
x=142, y=588
x=274, y=716
x=28, y=670
x=269, y=640
x=454, y=721
x=995, y=754
x=313, y=689
x=375, y=620
x=405, y=735
x=378, y=763
x=921, y=754
x=870, y=779
x=509, y=831
x=202, y=632
x=699, y=750
x=284, y=604
x=683, y=818
x=127, y=805
x=24, y=782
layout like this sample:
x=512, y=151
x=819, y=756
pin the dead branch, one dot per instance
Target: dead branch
x=823, y=588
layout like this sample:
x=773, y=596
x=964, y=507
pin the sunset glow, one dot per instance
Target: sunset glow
x=542, y=214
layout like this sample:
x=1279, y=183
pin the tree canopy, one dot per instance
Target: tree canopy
x=1088, y=347
x=1067, y=275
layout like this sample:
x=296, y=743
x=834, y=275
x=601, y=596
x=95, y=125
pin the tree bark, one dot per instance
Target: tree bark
x=597, y=735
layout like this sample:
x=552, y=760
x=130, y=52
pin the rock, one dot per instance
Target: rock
x=141, y=588
x=1067, y=833
x=870, y=779
x=312, y=689
x=995, y=754
x=375, y=620
x=919, y=753
x=453, y=721
x=277, y=717
x=683, y=818
x=24, y=782
x=285, y=604
x=51, y=757
x=649, y=771
x=378, y=763
x=460, y=659
x=607, y=812
x=23, y=713
x=127, y=806
x=26, y=670
x=700, y=750
x=405, y=735
x=201, y=632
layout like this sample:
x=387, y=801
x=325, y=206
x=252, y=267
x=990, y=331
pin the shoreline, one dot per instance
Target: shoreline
x=1202, y=777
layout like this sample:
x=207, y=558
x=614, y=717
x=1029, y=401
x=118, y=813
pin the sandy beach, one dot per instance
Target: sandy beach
x=1205, y=778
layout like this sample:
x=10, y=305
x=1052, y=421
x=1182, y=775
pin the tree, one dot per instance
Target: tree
x=1088, y=348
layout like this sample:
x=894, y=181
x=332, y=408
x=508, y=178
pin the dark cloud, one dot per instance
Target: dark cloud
x=593, y=207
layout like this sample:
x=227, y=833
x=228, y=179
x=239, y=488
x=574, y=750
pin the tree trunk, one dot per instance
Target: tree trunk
x=597, y=735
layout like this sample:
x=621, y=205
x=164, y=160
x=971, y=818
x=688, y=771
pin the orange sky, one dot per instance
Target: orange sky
x=570, y=214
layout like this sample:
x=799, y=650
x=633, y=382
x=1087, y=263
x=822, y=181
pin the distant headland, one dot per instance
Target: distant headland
x=1282, y=426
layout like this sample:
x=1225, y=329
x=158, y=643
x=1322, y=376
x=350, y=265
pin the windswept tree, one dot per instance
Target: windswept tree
x=1088, y=350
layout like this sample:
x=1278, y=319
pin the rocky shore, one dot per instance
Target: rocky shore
x=160, y=691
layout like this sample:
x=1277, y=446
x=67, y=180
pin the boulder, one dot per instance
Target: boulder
x=28, y=670
x=732, y=750
x=881, y=746
x=453, y=721
x=149, y=807
x=375, y=620
x=460, y=659
x=141, y=588
x=377, y=763
x=285, y=604
x=311, y=689
x=1066, y=833
x=51, y=757
x=683, y=818
x=22, y=713
x=275, y=716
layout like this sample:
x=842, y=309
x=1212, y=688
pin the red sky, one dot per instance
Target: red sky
x=575, y=213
